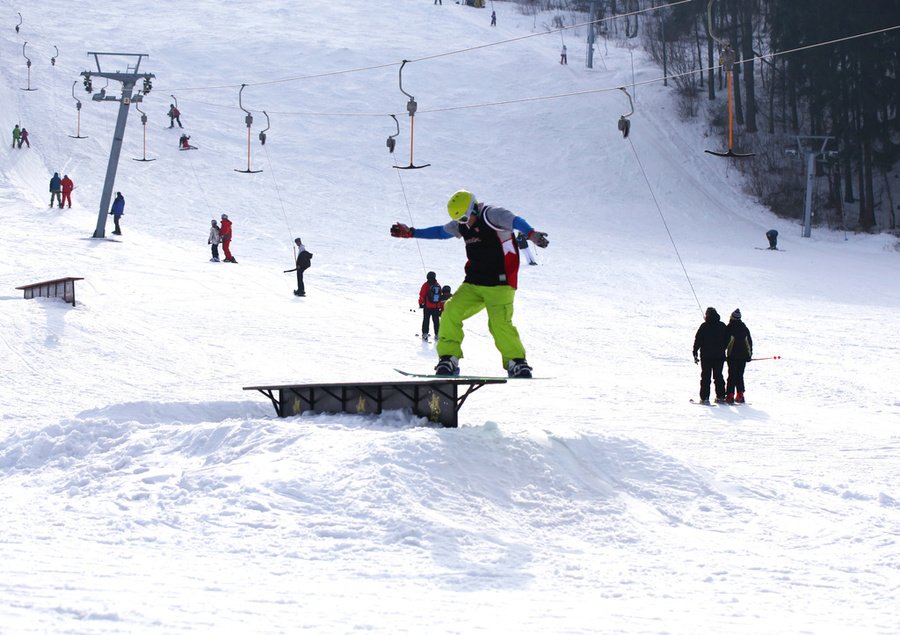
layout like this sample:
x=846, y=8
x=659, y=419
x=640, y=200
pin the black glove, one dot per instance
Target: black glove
x=696, y=359
x=421, y=306
x=538, y=238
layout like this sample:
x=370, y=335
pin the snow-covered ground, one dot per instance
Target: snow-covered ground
x=142, y=490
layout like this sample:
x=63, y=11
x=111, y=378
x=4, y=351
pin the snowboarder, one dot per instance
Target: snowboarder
x=739, y=350
x=225, y=233
x=772, y=235
x=55, y=190
x=711, y=340
x=23, y=138
x=17, y=133
x=117, y=209
x=304, y=256
x=184, y=142
x=493, y=18
x=67, y=186
x=562, y=55
x=431, y=304
x=491, y=278
x=446, y=294
x=214, y=239
x=174, y=116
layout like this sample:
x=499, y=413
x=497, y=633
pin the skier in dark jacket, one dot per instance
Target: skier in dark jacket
x=491, y=278
x=304, y=258
x=739, y=351
x=117, y=209
x=431, y=304
x=56, y=190
x=711, y=340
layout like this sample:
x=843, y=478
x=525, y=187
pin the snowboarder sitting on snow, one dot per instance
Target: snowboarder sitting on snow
x=431, y=304
x=711, y=340
x=491, y=278
x=739, y=351
x=184, y=142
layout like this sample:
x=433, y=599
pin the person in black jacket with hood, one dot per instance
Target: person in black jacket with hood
x=739, y=350
x=711, y=340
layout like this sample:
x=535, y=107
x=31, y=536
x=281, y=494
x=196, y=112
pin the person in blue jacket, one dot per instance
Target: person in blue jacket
x=56, y=189
x=118, y=208
x=491, y=278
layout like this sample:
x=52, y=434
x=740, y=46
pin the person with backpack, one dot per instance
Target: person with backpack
x=431, y=304
x=492, y=272
x=214, y=239
x=711, y=340
x=304, y=260
x=174, y=116
x=738, y=352
x=118, y=208
x=56, y=189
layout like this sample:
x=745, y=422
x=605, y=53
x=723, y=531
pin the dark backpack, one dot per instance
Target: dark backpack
x=434, y=293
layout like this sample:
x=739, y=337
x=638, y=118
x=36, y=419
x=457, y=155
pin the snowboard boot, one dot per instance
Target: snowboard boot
x=448, y=366
x=729, y=398
x=720, y=399
x=739, y=398
x=518, y=368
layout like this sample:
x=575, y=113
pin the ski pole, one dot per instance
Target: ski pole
x=759, y=359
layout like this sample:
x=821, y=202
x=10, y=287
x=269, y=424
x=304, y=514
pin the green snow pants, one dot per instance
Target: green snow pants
x=468, y=300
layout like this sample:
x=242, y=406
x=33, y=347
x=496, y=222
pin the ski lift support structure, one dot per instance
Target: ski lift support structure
x=411, y=108
x=249, y=121
x=128, y=79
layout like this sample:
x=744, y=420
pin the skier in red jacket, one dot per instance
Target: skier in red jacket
x=431, y=303
x=225, y=233
x=67, y=186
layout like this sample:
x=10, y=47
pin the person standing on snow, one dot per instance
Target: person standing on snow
x=739, y=351
x=55, y=190
x=174, y=116
x=562, y=56
x=490, y=282
x=214, y=239
x=117, y=209
x=431, y=304
x=17, y=134
x=225, y=233
x=304, y=258
x=711, y=340
x=23, y=138
x=493, y=18
x=67, y=186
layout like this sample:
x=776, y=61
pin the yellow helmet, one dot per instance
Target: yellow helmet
x=461, y=204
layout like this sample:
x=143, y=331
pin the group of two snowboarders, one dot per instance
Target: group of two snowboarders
x=432, y=297
x=220, y=235
x=717, y=343
x=61, y=190
x=490, y=282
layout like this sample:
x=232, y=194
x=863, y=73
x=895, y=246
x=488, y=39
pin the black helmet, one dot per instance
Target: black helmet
x=431, y=275
x=445, y=288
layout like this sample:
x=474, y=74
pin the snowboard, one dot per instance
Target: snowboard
x=696, y=402
x=464, y=377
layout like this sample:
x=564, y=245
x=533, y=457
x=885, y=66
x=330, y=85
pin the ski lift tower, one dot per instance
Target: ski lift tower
x=128, y=79
x=806, y=148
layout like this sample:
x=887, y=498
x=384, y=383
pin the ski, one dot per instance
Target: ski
x=710, y=404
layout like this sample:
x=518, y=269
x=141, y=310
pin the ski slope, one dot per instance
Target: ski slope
x=143, y=491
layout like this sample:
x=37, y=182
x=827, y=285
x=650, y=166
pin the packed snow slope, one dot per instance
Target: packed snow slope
x=143, y=491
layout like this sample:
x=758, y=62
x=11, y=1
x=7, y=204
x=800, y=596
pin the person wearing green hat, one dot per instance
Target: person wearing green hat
x=491, y=278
